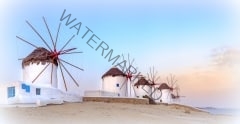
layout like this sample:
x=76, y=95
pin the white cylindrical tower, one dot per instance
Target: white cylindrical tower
x=166, y=96
x=166, y=93
x=114, y=82
x=142, y=88
x=40, y=69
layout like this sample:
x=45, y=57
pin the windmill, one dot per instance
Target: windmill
x=129, y=75
x=153, y=79
x=142, y=87
x=52, y=53
x=174, y=87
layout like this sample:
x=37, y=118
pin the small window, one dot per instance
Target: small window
x=11, y=92
x=38, y=91
x=23, y=86
x=28, y=88
x=117, y=85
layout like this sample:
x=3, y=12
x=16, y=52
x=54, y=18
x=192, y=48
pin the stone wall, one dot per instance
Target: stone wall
x=116, y=100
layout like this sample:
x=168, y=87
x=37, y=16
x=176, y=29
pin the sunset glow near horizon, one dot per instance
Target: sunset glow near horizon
x=197, y=42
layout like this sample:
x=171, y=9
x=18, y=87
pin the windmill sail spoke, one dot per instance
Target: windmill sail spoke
x=123, y=57
x=132, y=61
x=52, y=74
x=171, y=77
x=55, y=44
x=48, y=30
x=67, y=42
x=26, y=42
x=175, y=82
x=68, y=73
x=67, y=50
x=40, y=73
x=70, y=64
x=150, y=74
x=64, y=81
x=149, y=77
x=168, y=81
x=39, y=35
x=153, y=75
x=157, y=78
x=73, y=52
x=129, y=60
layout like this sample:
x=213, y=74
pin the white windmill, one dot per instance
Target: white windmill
x=40, y=67
x=40, y=82
x=111, y=82
x=170, y=91
x=142, y=88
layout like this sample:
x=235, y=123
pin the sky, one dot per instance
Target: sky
x=198, y=42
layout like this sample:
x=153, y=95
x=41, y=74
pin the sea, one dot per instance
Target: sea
x=221, y=111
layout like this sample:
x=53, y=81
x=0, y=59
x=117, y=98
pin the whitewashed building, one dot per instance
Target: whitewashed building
x=166, y=93
x=114, y=83
x=20, y=92
x=142, y=87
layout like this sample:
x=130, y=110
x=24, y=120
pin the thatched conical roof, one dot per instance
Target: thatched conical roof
x=39, y=55
x=113, y=72
x=142, y=81
x=164, y=86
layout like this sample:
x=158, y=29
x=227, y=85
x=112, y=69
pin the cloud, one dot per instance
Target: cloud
x=221, y=68
x=215, y=83
x=225, y=57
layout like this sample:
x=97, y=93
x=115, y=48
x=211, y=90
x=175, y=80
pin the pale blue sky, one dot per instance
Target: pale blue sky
x=172, y=36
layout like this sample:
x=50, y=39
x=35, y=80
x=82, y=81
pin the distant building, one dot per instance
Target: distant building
x=114, y=84
x=142, y=87
x=166, y=96
x=114, y=81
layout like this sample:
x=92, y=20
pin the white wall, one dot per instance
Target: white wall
x=99, y=93
x=46, y=93
x=166, y=96
x=156, y=94
x=142, y=90
x=31, y=71
x=109, y=85
x=163, y=96
x=4, y=93
x=21, y=96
